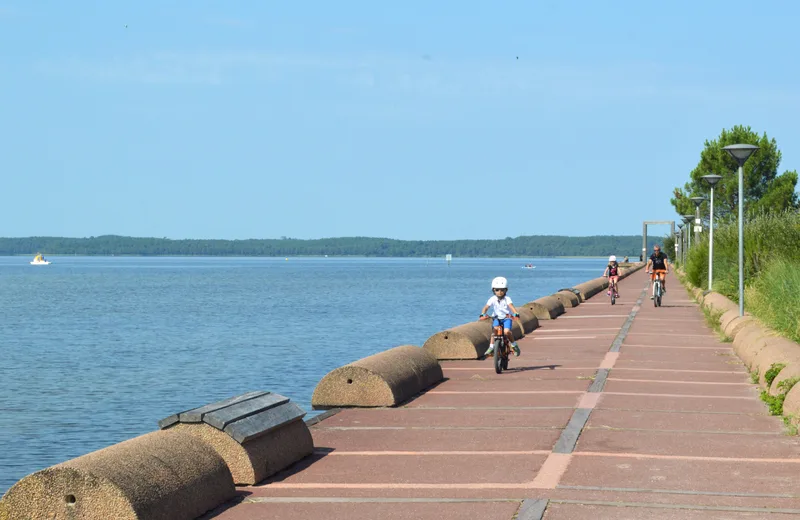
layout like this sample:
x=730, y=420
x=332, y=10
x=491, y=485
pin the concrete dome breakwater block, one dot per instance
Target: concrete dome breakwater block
x=777, y=350
x=760, y=350
x=718, y=302
x=381, y=380
x=748, y=342
x=592, y=287
x=528, y=320
x=574, y=291
x=567, y=298
x=791, y=405
x=467, y=341
x=731, y=323
x=161, y=475
x=546, y=307
x=257, y=434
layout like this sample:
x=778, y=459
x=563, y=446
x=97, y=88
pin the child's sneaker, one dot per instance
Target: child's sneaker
x=608, y=293
x=515, y=348
x=490, y=351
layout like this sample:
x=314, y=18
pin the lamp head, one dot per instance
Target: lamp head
x=697, y=201
x=741, y=152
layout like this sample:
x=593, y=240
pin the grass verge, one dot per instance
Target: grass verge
x=712, y=318
x=774, y=298
x=775, y=402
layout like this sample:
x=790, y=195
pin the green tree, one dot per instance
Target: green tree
x=764, y=190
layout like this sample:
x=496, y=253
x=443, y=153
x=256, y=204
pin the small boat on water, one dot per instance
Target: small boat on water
x=529, y=266
x=39, y=260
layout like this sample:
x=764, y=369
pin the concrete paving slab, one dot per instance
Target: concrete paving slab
x=479, y=440
x=733, y=445
x=681, y=403
x=479, y=366
x=639, y=511
x=398, y=510
x=590, y=322
x=678, y=355
x=709, y=376
x=709, y=347
x=672, y=330
x=645, y=319
x=724, y=363
x=424, y=418
x=581, y=494
x=415, y=469
x=676, y=421
x=687, y=475
x=529, y=373
x=468, y=491
x=480, y=399
x=663, y=338
x=682, y=388
x=491, y=382
x=671, y=498
x=547, y=354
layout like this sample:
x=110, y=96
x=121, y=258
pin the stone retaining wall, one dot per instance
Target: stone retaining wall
x=773, y=359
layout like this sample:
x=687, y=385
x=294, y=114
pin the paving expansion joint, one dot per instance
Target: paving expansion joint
x=559, y=458
x=532, y=509
x=615, y=346
x=569, y=437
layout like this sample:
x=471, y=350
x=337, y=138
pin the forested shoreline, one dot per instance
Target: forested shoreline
x=523, y=246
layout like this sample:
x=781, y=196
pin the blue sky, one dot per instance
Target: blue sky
x=411, y=120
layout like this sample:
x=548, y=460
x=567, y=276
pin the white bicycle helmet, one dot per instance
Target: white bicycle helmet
x=499, y=283
x=612, y=258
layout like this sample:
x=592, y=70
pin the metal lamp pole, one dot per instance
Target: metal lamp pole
x=697, y=225
x=687, y=219
x=712, y=181
x=741, y=152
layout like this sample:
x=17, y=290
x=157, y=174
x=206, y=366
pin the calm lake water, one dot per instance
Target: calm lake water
x=97, y=350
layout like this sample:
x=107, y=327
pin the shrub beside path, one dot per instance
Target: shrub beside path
x=624, y=412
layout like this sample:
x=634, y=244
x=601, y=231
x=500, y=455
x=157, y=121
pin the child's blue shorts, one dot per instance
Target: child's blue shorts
x=506, y=323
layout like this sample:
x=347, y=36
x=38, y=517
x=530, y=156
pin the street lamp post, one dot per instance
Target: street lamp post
x=741, y=152
x=712, y=181
x=687, y=219
x=679, y=241
x=697, y=226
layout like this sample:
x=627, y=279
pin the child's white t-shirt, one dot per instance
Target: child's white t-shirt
x=500, y=307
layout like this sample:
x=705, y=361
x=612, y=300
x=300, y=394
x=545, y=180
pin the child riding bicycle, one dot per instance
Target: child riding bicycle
x=612, y=271
x=503, y=309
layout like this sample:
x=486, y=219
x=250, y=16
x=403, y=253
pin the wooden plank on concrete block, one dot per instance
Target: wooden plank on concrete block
x=195, y=415
x=222, y=417
x=264, y=422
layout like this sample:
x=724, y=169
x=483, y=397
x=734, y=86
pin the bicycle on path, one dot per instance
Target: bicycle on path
x=612, y=272
x=612, y=289
x=658, y=288
x=502, y=347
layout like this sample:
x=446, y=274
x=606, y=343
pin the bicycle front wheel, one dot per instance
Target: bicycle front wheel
x=498, y=359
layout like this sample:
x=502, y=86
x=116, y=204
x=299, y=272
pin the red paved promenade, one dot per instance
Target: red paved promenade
x=624, y=412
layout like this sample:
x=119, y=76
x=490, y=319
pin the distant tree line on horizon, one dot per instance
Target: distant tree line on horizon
x=541, y=246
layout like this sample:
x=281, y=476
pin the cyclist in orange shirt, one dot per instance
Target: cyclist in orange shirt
x=658, y=264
